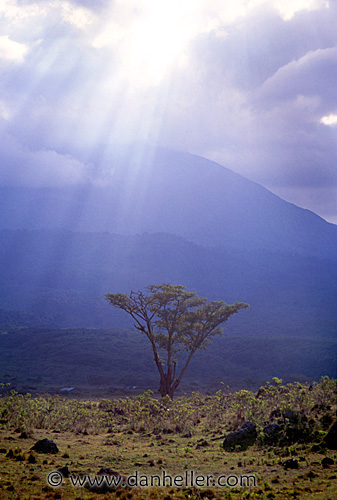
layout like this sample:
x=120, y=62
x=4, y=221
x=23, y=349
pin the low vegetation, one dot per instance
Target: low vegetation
x=151, y=435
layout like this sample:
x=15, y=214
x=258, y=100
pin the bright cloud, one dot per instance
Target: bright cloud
x=76, y=16
x=11, y=50
x=244, y=82
x=288, y=8
x=329, y=120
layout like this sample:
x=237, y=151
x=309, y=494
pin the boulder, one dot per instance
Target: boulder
x=275, y=414
x=111, y=480
x=330, y=440
x=291, y=463
x=45, y=446
x=295, y=417
x=272, y=433
x=297, y=427
x=64, y=471
x=327, y=461
x=242, y=438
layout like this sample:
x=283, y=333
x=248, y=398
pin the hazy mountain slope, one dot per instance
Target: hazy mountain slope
x=61, y=278
x=178, y=193
x=230, y=239
x=44, y=358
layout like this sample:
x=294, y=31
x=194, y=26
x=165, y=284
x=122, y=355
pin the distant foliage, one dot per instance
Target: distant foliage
x=222, y=412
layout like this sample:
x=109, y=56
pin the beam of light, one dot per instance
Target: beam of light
x=151, y=40
x=5, y=112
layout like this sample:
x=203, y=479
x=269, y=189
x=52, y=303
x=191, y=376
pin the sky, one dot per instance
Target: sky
x=251, y=84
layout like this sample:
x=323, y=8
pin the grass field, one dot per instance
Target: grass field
x=146, y=436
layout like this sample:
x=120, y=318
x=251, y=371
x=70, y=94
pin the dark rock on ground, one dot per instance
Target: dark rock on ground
x=187, y=435
x=64, y=471
x=242, y=438
x=45, y=446
x=272, y=432
x=330, y=439
x=295, y=417
x=297, y=428
x=111, y=480
x=31, y=459
x=275, y=414
x=326, y=462
x=201, y=443
x=291, y=463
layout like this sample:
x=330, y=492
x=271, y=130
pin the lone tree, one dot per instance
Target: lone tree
x=174, y=320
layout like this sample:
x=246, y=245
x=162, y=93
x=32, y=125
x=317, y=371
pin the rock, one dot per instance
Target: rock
x=275, y=414
x=296, y=427
x=326, y=462
x=203, y=442
x=242, y=438
x=106, y=471
x=295, y=417
x=272, y=433
x=31, y=459
x=64, y=471
x=45, y=446
x=330, y=439
x=187, y=435
x=291, y=463
x=111, y=480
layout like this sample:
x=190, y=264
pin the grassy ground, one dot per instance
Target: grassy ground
x=149, y=436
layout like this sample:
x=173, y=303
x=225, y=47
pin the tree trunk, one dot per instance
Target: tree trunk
x=166, y=387
x=168, y=382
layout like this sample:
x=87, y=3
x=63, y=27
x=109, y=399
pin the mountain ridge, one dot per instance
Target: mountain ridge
x=177, y=193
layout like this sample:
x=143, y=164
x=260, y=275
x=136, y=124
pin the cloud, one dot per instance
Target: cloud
x=312, y=74
x=20, y=166
x=250, y=84
x=11, y=50
x=329, y=120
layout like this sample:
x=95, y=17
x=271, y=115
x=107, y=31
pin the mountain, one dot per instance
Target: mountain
x=61, y=277
x=162, y=216
x=144, y=190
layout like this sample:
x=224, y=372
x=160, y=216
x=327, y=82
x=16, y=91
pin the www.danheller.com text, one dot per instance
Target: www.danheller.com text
x=186, y=480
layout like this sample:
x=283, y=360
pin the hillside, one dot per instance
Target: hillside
x=42, y=359
x=59, y=279
x=177, y=218
x=178, y=193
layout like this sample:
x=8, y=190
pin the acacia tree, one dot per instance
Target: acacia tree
x=174, y=320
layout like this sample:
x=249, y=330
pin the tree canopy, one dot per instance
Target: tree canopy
x=174, y=320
